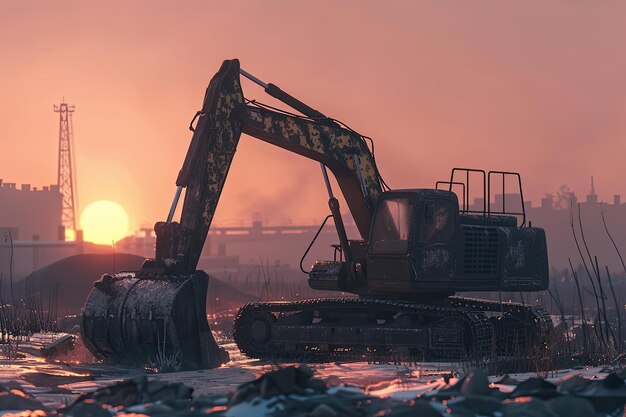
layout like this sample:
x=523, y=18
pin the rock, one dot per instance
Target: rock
x=612, y=381
x=526, y=407
x=569, y=406
x=420, y=408
x=572, y=384
x=224, y=356
x=152, y=409
x=44, y=379
x=346, y=405
x=476, y=383
x=535, y=387
x=10, y=385
x=507, y=380
x=287, y=378
x=317, y=384
x=177, y=404
x=17, y=399
x=605, y=395
x=450, y=391
x=28, y=413
x=479, y=404
x=60, y=346
x=87, y=409
x=304, y=374
x=267, y=389
x=323, y=410
x=243, y=393
x=138, y=390
x=209, y=400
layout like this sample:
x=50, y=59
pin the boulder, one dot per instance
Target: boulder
x=526, y=407
x=476, y=383
x=535, y=387
x=17, y=399
x=568, y=406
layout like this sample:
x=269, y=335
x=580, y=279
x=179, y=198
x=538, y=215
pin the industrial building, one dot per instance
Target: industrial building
x=31, y=213
x=31, y=230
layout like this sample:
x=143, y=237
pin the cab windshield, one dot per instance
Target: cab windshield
x=392, y=226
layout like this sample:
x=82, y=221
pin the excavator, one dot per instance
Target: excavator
x=417, y=248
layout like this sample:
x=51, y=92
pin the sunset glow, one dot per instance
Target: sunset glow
x=435, y=84
x=104, y=222
x=405, y=207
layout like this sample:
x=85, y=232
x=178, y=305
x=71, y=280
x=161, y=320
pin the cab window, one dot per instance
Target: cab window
x=392, y=226
x=438, y=222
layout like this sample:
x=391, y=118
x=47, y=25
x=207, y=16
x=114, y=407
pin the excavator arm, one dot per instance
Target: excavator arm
x=135, y=317
x=224, y=116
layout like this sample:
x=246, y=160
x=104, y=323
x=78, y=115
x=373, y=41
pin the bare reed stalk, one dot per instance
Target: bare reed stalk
x=8, y=237
x=607, y=325
x=601, y=310
x=608, y=330
x=619, y=254
x=582, y=308
x=3, y=321
x=593, y=285
x=606, y=229
x=618, y=312
x=561, y=309
x=28, y=302
x=267, y=281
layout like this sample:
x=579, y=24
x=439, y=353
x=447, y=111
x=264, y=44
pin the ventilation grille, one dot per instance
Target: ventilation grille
x=481, y=251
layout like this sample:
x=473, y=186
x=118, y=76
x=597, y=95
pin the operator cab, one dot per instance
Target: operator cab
x=414, y=242
x=423, y=246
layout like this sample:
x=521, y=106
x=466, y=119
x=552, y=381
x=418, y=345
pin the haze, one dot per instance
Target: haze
x=534, y=87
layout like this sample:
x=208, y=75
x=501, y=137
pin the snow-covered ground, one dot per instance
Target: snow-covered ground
x=57, y=383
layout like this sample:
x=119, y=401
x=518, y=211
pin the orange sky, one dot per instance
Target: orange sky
x=535, y=87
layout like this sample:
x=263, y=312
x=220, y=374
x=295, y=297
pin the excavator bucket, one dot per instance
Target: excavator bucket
x=151, y=320
x=156, y=316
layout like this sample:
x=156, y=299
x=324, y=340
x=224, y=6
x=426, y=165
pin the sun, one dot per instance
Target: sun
x=104, y=222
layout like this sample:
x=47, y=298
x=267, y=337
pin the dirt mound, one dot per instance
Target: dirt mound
x=75, y=276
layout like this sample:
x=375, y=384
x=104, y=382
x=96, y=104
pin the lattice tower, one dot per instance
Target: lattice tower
x=66, y=176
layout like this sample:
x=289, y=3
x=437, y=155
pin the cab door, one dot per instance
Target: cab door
x=389, y=262
x=436, y=242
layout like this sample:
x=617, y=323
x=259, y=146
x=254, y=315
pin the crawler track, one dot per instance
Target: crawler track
x=353, y=329
x=519, y=329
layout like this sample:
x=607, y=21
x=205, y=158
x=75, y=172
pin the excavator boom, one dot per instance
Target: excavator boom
x=224, y=116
